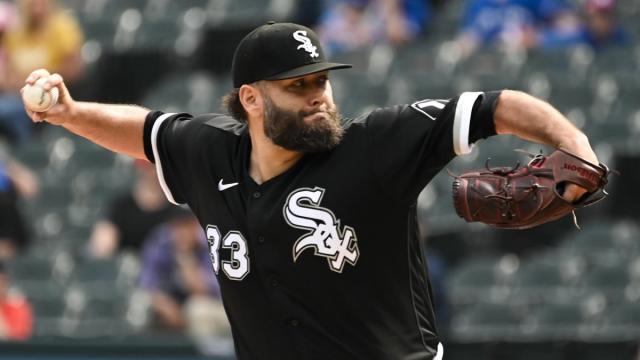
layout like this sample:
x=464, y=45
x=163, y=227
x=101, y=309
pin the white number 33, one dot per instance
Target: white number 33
x=236, y=268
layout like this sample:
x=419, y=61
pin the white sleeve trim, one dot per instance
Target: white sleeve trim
x=154, y=146
x=462, y=121
x=440, y=353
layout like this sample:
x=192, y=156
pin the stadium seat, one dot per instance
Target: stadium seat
x=608, y=280
x=157, y=36
x=477, y=279
x=100, y=31
x=194, y=92
x=96, y=277
x=486, y=322
x=537, y=282
x=370, y=94
x=553, y=322
x=31, y=268
x=48, y=313
x=621, y=323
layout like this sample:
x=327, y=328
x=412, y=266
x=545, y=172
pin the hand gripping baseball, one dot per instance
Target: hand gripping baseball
x=523, y=197
x=60, y=110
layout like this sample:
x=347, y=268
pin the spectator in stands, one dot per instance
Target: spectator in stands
x=600, y=29
x=131, y=216
x=513, y=22
x=16, y=182
x=352, y=24
x=16, y=318
x=42, y=36
x=176, y=270
x=7, y=16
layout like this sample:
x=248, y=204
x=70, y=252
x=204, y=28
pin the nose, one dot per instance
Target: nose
x=318, y=97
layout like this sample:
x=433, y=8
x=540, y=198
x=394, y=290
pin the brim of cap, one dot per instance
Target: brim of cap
x=307, y=69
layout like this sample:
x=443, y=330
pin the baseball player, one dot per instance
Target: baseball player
x=311, y=218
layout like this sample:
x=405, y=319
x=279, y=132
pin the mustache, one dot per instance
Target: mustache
x=331, y=111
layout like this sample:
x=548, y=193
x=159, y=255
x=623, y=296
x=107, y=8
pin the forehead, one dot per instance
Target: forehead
x=307, y=77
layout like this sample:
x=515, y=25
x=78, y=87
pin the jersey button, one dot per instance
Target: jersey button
x=294, y=322
x=256, y=194
x=261, y=239
x=275, y=282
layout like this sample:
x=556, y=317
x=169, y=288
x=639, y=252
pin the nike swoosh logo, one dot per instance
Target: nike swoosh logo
x=223, y=187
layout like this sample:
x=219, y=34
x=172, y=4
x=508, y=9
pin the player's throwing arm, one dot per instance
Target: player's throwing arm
x=116, y=127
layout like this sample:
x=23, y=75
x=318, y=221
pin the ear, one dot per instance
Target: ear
x=251, y=100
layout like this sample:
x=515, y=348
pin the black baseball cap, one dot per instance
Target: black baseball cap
x=277, y=51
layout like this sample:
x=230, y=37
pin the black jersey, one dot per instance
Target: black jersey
x=322, y=261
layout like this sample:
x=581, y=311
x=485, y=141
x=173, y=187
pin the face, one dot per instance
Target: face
x=601, y=22
x=36, y=10
x=185, y=234
x=300, y=115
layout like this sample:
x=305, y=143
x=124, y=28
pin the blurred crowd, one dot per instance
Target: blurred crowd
x=350, y=24
x=168, y=241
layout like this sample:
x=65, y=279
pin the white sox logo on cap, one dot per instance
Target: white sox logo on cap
x=307, y=46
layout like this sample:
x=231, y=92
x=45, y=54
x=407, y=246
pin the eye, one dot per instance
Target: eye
x=323, y=80
x=298, y=84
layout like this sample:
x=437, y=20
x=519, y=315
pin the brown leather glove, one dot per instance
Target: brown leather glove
x=523, y=197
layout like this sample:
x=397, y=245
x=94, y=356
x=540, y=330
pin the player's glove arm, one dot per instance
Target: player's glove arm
x=532, y=119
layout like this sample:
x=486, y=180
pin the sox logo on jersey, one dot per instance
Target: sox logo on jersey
x=302, y=210
x=307, y=46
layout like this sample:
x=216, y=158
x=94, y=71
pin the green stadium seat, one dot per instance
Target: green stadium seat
x=371, y=95
x=41, y=290
x=608, y=280
x=100, y=31
x=621, y=323
x=157, y=36
x=47, y=308
x=30, y=268
x=554, y=322
x=536, y=282
x=486, y=322
x=194, y=92
x=104, y=307
x=96, y=277
x=477, y=279
x=48, y=314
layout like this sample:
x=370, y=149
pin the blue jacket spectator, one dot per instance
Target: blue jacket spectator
x=515, y=22
x=177, y=272
x=16, y=183
x=600, y=29
x=352, y=24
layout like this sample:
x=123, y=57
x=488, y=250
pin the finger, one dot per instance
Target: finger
x=35, y=116
x=35, y=75
x=573, y=192
x=38, y=117
x=53, y=80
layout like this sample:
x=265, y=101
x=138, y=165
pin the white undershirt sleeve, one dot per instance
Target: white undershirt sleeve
x=462, y=121
x=156, y=155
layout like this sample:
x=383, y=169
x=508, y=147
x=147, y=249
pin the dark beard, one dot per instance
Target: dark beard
x=288, y=129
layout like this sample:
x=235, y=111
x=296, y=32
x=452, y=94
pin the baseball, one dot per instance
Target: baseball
x=37, y=99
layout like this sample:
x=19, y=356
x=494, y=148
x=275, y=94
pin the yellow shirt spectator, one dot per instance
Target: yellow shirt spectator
x=48, y=46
